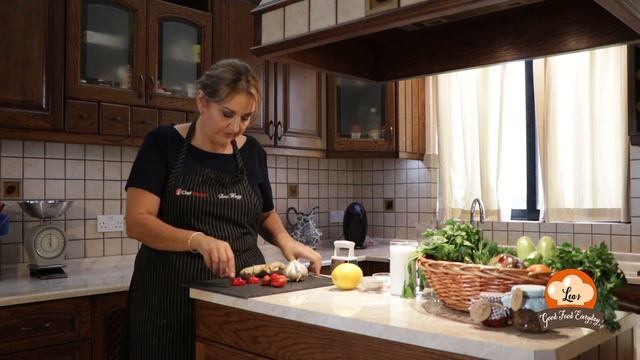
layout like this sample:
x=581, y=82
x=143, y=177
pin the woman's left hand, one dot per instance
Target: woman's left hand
x=293, y=250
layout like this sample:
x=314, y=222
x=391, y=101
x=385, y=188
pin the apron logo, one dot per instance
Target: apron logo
x=230, y=196
x=182, y=192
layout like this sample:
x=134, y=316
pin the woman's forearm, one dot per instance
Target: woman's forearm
x=272, y=230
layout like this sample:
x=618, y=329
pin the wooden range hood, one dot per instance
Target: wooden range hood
x=436, y=36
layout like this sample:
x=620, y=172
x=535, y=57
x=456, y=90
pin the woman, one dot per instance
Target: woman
x=197, y=196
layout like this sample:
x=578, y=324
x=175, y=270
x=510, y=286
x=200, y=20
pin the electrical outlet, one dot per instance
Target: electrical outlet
x=336, y=216
x=109, y=223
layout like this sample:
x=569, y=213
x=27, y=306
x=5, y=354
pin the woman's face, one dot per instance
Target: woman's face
x=223, y=122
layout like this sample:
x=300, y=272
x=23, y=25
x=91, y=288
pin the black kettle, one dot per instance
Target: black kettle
x=354, y=224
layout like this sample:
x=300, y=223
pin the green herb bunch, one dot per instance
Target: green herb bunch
x=600, y=264
x=459, y=242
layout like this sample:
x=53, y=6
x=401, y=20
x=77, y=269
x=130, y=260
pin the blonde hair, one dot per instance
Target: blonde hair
x=227, y=78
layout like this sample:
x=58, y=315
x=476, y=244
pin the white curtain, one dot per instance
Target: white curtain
x=481, y=139
x=581, y=114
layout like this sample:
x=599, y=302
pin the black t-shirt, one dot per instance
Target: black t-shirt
x=159, y=153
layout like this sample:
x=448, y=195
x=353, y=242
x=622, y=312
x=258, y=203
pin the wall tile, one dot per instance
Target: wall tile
x=33, y=168
x=76, y=211
x=112, y=153
x=54, y=169
x=94, y=152
x=583, y=241
x=621, y=243
x=33, y=189
x=272, y=26
x=94, y=248
x=94, y=189
x=91, y=230
x=75, y=249
x=54, y=189
x=582, y=228
x=130, y=246
x=621, y=229
x=565, y=228
x=54, y=150
x=74, y=169
x=34, y=149
x=11, y=148
x=11, y=167
x=94, y=170
x=75, y=151
x=112, y=170
x=597, y=239
x=601, y=229
x=112, y=247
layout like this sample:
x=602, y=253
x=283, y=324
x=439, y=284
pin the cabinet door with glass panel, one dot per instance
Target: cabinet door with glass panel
x=106, y=42
x=179, y=52
x=361, y=117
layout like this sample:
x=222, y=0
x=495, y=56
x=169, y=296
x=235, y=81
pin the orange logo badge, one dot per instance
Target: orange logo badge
x=571, y=288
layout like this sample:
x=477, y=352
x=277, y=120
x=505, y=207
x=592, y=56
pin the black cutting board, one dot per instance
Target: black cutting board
x=223, y=286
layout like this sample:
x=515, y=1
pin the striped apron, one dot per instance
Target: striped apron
x=160, y=315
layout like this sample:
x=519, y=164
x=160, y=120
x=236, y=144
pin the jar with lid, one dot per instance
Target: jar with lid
x=525, y=302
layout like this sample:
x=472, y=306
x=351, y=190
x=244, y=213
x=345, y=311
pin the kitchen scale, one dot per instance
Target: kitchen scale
x=46, y=244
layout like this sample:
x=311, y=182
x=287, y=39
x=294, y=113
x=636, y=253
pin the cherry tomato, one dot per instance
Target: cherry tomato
x=266, y=280
x=253, y=280
x=279, y=281
x=238, y=281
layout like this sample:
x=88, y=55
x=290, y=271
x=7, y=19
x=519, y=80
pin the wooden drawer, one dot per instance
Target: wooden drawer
x=206, y=350
x=81, y=117
x=73, y=351
x=36, y=325
x=114, y=119
x=168, y=117
x=143, y=120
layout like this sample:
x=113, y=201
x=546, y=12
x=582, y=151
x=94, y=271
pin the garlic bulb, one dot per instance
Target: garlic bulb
x=295, y=271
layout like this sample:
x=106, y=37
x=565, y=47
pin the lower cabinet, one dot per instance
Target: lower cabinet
x=74, y=351
x=207, y=350
x=108, y=325
x=89, y=327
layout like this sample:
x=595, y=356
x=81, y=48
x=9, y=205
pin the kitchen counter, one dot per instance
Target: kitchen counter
x=390, y=318
x=92, y=276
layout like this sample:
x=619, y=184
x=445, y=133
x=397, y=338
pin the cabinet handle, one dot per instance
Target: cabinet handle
x=32, y=328
x=117, y=118
x=140, y=85
x=84, y=115
x=152, y=81
x=271, y=130
x=279, y=130
x=145, y=122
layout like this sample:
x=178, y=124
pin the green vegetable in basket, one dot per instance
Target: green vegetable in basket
x=598, y=263
x=535, y=257
x=459, y=242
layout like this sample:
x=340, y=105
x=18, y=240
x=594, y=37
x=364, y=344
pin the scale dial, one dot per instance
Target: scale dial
x=49, y=242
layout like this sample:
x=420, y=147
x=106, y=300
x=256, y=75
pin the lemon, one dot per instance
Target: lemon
x=346, y=276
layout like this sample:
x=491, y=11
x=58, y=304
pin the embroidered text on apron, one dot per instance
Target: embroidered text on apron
x=161, y=317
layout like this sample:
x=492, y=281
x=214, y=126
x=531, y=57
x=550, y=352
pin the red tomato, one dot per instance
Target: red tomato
x=238, y=281
x=266, y=280
x=279, y=281
x=253, y=280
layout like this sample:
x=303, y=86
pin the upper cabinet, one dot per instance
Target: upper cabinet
x=136, y=52
x=292, y=113
x=362, y=117
x=32, y=64
x=371, y=119
x=633, y=56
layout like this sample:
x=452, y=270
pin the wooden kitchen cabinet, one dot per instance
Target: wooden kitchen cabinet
x=32, y=64
x=74, y=351
x=136, y=52
x=36, y=325
x=108, y=316
x=369, y=119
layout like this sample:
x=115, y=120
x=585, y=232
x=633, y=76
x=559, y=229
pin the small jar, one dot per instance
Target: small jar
x=525, y=302
x=489, y=311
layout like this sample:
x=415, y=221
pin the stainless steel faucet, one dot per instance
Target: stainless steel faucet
x=473, y=211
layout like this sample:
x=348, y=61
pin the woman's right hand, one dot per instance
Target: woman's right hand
x=217, y=254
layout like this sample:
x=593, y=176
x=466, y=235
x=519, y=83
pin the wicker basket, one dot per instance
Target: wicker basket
x=456, y=284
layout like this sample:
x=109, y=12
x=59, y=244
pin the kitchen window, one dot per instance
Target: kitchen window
x=536, y=140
